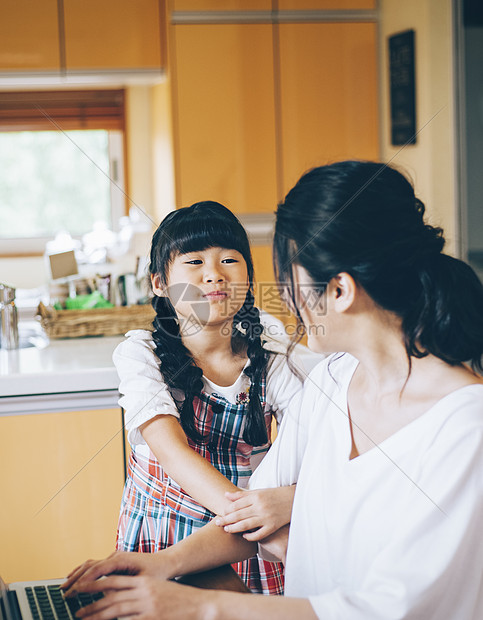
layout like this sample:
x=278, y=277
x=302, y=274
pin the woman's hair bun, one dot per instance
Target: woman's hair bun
x=363, y=218
x=430, y=246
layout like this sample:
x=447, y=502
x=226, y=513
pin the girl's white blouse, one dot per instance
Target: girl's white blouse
x=394, y=533
x=144, y=394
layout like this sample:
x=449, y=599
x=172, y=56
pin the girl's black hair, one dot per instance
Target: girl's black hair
x=199, y=227
x=363, y=218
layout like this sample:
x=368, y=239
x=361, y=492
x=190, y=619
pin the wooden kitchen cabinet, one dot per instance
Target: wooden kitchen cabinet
x=328, y=93
x=267, y=5
x=113, y=34
x=221, y=5
x=224, y=115
x=29, y=36
x=256, y=105
x=83, y=36
x=333, y=5
x=62, y=479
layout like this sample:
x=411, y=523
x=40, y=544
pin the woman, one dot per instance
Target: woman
x=386, y=443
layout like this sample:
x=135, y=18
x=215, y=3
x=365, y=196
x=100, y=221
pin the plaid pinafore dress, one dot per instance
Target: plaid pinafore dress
x=156, y=513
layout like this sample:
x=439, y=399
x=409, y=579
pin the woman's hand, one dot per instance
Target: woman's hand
x=119, y=563
x=145, y=597
x=257, y=513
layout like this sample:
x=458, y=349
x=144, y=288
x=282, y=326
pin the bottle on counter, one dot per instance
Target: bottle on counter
x=8, y=318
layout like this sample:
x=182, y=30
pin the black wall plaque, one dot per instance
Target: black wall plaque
x=472, y=13
x=403, y=89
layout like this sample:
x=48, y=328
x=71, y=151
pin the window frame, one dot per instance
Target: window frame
x=64, y=111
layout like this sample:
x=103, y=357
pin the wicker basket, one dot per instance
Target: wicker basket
x=94, y=322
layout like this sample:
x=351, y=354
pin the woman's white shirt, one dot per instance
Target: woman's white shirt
x=394, y=533
x=144, y=394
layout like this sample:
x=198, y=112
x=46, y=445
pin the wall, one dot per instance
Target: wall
x=162, y=151
x=23, y=272
x=431, y=161
x=138, y=143
x=474, y=140
x=149, y=150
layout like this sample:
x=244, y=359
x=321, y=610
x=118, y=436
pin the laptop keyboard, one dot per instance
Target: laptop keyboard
x=48, y=603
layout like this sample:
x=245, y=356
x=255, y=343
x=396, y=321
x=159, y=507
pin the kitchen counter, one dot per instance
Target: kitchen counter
x=78, y=373
x=68, y=374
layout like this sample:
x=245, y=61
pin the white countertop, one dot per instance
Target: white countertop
x=76, y=373
x=67, y=374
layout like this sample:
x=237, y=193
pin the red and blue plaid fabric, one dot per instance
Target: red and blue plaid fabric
x=156, y=513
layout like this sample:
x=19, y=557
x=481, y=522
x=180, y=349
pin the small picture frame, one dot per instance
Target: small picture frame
x=63, y=265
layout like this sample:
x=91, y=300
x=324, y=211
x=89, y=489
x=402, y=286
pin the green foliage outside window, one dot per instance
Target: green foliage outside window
x=52, y=181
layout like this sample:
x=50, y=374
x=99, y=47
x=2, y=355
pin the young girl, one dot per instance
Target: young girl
x=200, y=391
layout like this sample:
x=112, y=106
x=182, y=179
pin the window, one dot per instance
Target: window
x=61, y=165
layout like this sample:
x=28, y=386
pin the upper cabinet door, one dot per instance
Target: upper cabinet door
x=332, y=5
x=221, y=5
x=29, y=36
x=266, y=5
x=113, y=34
x=223, y=90
x=329, y=93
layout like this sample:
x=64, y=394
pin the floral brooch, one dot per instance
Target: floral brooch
x=243, y=397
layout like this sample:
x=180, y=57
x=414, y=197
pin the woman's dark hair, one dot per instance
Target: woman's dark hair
x=363, y=218
x=192, y=229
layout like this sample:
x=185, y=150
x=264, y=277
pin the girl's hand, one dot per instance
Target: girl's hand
x=276, y=544
x=82, y=578
x=257, y=513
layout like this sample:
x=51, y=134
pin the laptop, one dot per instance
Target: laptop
x=40, y=600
